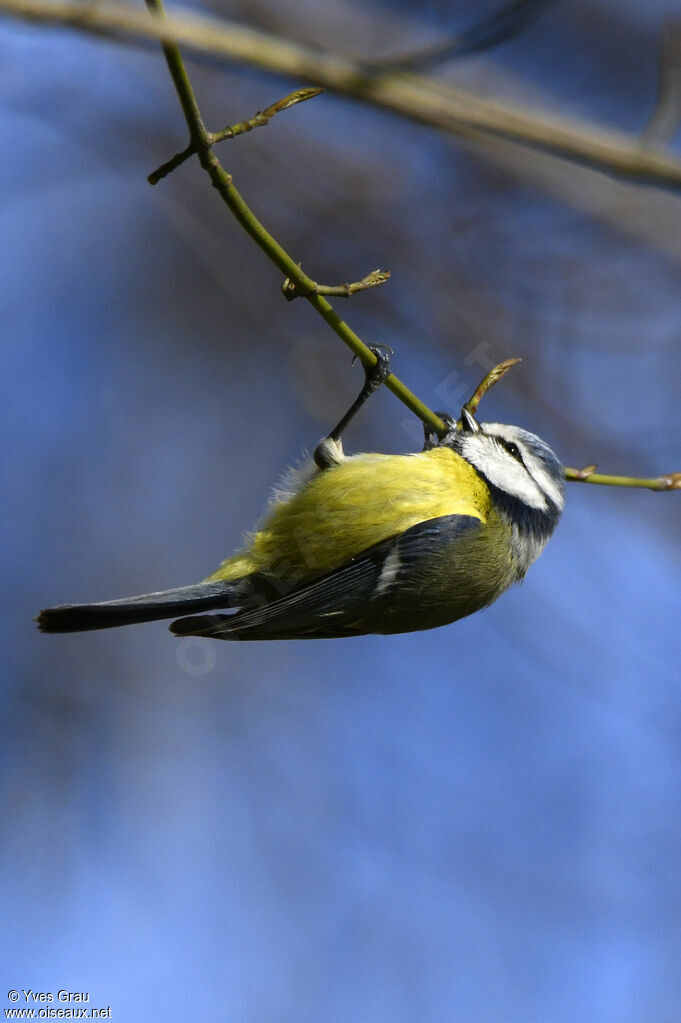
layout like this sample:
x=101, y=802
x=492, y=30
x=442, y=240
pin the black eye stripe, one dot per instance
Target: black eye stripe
x=512, y=448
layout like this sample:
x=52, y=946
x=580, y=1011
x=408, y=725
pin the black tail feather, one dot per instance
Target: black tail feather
x=149, y=607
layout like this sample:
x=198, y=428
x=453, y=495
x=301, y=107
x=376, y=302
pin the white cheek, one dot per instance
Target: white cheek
x=547, y=484
x=537, y=470
x=503, y=471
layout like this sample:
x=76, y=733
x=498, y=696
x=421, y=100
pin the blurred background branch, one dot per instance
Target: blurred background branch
x=666, y=115
x=501, y=25
x=202, y=141
x=472, y=822
x=422, y=99
x=296, y=282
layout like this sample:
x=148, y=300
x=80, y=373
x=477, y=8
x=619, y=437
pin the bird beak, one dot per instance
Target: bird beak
x=468, y=422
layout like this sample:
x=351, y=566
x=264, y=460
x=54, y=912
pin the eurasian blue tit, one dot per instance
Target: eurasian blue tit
x=369, y=543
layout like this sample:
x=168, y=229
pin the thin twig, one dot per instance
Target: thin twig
x=373, y=280
x=423, y=100
x=672, y=481
x=172, y=164
x=223, y=183
x=263, y=117
x=259, y=120
x=202, y=140
x=492, y=378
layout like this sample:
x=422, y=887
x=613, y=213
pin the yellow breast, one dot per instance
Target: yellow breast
x=355, y=504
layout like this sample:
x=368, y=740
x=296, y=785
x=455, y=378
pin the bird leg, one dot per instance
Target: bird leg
x=431, y=439
x=329, y=451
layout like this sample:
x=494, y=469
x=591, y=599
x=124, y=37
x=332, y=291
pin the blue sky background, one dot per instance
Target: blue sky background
x=477, y=823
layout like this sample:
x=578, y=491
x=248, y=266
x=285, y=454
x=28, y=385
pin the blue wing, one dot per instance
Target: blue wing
x=373, y=592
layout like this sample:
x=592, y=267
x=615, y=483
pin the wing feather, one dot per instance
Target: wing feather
x=347, y=599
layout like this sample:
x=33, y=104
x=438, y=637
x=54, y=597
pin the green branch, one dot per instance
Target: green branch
x=418, y=97
x=201, y=142
x=259, y=120
x=672, y=481
x=492, y=378
x=372, y=280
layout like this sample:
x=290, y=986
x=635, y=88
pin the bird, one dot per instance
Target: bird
x=369, y=543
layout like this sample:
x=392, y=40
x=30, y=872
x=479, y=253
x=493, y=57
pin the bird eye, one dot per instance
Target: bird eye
x=513, y=450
